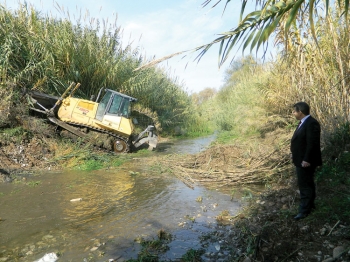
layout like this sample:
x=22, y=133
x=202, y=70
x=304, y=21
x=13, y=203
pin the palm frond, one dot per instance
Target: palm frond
x=258, y=25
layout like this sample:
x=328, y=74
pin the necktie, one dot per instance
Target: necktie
x=299, y=125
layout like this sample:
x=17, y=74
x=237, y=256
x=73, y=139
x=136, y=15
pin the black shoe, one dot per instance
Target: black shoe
x=300, y=216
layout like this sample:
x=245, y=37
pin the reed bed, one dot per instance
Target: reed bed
x=315, y=73
x=46, y=53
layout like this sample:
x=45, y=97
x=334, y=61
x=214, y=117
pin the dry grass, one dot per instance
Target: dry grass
x=252, y=162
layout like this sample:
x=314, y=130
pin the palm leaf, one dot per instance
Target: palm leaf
x=248, y=25
x=346, y=8
x=311, y=18
x=268, y=31
x=230, y=45
x=250, y=37
x=220, y=50
x=244, y=3
x=256, y=38
x=292, y=15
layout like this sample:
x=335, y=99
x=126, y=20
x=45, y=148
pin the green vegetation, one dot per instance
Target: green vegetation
x=202, y=120
x=238, y=109
x=47, y=54
x=335, y=188
x=152, y=248
x=89, y=165
x=84, y=157
x=192, y=255
x=16, y=134
x=33, y=183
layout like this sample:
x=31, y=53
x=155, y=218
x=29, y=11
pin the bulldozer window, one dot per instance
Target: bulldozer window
x=120, y=106
x=125, y=109
x=115, y=106
x=102, y=106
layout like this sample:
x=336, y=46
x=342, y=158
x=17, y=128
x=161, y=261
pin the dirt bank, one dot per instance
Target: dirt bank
x=25, y=141
x=26, y=148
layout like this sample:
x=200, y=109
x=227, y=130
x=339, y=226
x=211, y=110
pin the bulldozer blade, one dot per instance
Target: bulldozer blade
x=150, y=140
x=153, y=141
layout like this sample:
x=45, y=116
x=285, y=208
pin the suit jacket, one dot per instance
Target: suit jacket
x=305, y=143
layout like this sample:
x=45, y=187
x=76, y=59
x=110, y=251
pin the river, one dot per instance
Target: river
x=97, y=215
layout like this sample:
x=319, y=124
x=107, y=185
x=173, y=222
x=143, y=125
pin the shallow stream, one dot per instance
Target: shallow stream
x=97, y=215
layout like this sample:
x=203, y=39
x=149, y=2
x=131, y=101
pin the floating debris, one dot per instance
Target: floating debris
x=76, y=199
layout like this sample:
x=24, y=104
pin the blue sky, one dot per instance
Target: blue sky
x=161, y=28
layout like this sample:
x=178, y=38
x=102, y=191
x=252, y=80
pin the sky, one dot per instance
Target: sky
x=160, y=28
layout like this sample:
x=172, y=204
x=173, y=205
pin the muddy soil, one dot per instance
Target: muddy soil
x=28, y=151
x=264, y=231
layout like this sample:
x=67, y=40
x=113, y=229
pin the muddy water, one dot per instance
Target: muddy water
x=97, y=215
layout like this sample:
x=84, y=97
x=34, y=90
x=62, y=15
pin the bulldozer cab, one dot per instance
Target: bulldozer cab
x=114, y=103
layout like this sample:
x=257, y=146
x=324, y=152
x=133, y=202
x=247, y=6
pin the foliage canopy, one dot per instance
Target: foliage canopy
x=269, y=16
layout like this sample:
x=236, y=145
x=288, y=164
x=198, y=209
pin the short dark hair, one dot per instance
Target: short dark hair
x=303, y=107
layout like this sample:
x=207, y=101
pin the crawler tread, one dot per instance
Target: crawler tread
x=100, y=130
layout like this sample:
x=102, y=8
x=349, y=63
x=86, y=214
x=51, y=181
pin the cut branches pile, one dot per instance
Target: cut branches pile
x=254, y=163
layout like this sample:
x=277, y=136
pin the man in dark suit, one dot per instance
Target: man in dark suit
x=306, y=155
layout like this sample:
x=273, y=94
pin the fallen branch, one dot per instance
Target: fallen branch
x=333, y=227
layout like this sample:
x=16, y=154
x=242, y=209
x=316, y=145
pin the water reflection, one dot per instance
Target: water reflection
x=186, y=146
x=116, y=208
x=100, y=193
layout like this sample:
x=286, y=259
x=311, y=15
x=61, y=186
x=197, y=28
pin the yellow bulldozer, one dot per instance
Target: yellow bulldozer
x=105, y=121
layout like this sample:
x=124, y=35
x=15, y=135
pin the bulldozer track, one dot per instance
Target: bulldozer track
x=104, y=132
x=78, y=125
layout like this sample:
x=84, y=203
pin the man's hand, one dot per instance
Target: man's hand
x=305, y=164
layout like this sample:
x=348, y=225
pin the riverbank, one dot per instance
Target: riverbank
x=263, y=231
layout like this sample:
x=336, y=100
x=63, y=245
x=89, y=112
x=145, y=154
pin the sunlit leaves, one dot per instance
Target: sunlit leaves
x=256, y=27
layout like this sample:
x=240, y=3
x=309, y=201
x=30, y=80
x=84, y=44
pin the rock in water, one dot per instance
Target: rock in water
x=50, y=257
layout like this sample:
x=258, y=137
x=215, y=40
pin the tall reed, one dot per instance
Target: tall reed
x=315, y=73
x=47, y=54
